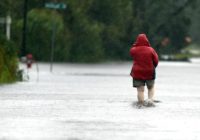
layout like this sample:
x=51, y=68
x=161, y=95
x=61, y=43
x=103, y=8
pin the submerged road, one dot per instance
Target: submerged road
x=95, y=102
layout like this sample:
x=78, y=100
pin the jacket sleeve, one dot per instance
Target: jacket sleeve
x=132, y=51
x=155, y=58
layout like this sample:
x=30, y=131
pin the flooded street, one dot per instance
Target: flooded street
x=95, y=102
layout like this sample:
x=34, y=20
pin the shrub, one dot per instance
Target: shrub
x=8, y=61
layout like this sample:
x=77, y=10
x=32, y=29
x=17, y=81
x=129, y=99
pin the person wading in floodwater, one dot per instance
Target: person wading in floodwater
x=145, y=61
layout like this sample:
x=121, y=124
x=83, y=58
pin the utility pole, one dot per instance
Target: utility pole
x=24, y=30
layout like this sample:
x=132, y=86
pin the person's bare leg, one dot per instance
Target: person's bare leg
x=151, y=92
x=140, y=94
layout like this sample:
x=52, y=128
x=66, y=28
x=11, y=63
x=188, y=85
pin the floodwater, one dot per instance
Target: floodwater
x=95, y=102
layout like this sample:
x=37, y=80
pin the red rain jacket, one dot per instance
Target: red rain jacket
x=145, y=59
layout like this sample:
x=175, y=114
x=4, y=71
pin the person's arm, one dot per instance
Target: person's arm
x=132, y=50
x=155, y=58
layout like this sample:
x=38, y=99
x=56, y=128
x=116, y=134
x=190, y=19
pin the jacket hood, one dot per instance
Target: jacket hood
x=142, y=40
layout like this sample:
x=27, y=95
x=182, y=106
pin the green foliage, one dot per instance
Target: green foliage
x=114, y=17
x=192, y=50
x=86, y=38
x=163, y=19
x=8, y=61
x=195, y=23
x=97, y=30
x=86, y=46
x=40, y=26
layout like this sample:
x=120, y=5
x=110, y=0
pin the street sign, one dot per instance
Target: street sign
x=52, y=5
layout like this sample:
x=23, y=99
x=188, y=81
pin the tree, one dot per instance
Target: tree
x=40, y=31
x=114, y=16
x=85, y=33
x=8, y=61
x=163, y=19
x=96, y=30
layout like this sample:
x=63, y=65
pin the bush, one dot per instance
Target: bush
x=8, y=61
